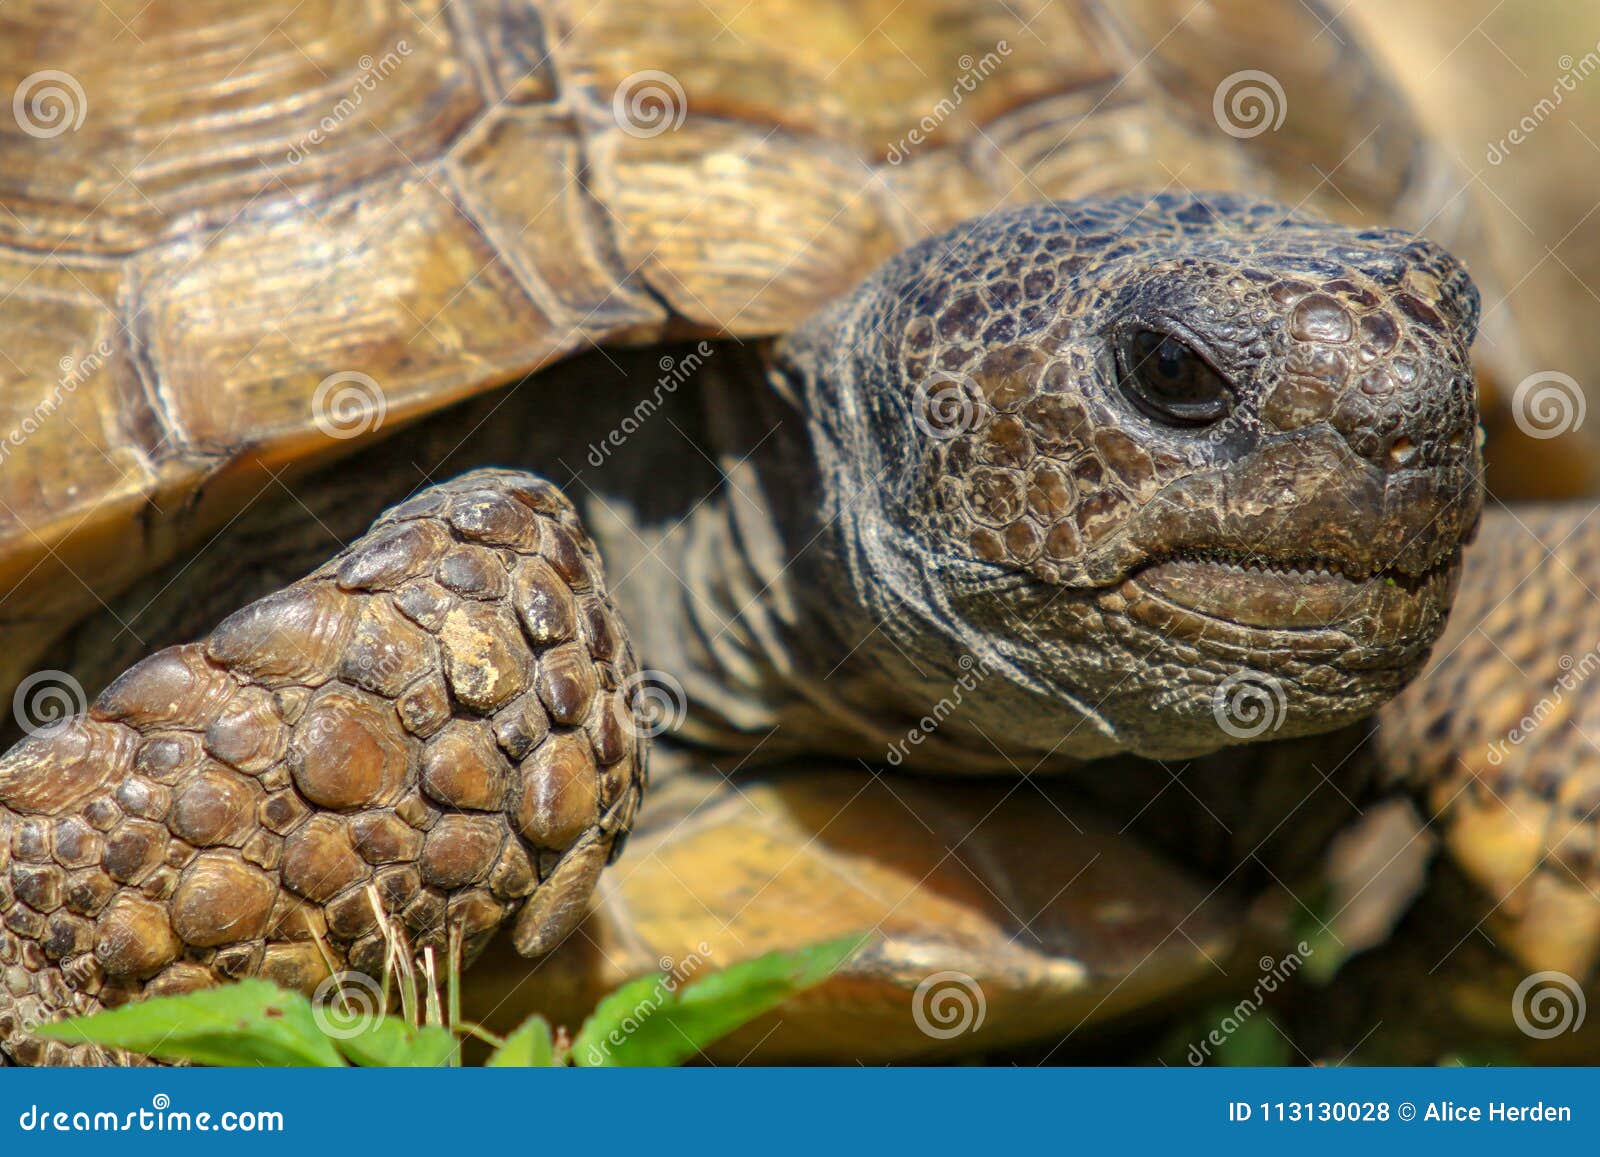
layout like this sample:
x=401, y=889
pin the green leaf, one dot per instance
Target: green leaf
x=617, y=1015
x=390, y=1043
x=650, y=1021
x=529, y=1047
x=247, y=1024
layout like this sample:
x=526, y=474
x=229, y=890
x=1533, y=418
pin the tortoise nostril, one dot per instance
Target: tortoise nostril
x=1401, y=451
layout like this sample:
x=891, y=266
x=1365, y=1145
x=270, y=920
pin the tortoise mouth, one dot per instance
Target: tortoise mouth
x=1186, y=593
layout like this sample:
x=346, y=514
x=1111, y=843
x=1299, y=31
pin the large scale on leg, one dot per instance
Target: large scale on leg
x=431, y=731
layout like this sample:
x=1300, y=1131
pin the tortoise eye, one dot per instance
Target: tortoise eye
x=1169, y=381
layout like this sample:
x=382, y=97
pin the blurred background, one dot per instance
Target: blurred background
x=1476, y=69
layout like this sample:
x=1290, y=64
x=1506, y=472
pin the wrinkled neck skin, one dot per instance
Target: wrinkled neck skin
x=815, y=618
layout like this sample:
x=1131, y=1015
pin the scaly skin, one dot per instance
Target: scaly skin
x=1497, y=737
x=1122, y=455
x=435, y=722
x=1116, y=569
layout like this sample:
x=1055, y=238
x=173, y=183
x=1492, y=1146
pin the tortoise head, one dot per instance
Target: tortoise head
x=1180, y=471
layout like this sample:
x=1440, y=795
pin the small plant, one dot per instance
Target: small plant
x=649, y=1021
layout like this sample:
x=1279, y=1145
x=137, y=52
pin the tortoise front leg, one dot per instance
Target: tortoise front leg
x=431, y=732
x=1500, y=737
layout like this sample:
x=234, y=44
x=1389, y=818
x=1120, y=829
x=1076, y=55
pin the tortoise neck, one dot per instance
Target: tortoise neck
x=784, y=639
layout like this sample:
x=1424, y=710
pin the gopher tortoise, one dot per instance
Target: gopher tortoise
x=1032, y=449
